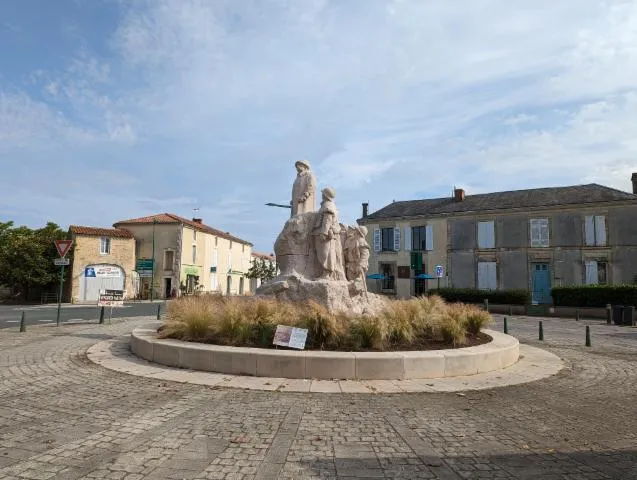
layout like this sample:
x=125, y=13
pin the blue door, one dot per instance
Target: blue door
x=541, y=293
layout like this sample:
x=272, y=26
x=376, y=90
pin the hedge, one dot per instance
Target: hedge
x=474, y=295
x=594, y=295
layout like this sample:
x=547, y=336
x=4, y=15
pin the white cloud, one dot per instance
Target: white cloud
x=388, y=99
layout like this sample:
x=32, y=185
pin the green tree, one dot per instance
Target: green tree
x=26, y=257
x=262, y=270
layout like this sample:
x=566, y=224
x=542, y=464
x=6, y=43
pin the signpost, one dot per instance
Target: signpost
x=63, y=247
x=439, y=274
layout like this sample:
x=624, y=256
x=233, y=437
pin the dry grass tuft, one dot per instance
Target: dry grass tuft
x=251, y=321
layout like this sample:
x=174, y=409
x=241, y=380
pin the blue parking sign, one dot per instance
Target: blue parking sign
x=89, y=272
x=439, y=271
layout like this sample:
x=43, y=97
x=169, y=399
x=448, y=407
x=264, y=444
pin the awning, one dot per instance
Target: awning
x=425, y=276
x=376, y=276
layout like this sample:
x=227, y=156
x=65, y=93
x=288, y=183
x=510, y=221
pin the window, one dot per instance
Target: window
x=213, y=282
x=596, y=273
x=390, y=239
x=215, y=258
x=487, y=276
x=230, y=244
x=419, y=238
x=229, y=261
x=539, y=232
x=388, y=281
x=105, y=246
x=595, y=230
x=216, y=241
x=169, y=259
x=194, y=235
x=243, y=249
x=194, y=254
x=486, y=235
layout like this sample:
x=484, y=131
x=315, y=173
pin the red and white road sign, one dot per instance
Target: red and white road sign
x=63, y=247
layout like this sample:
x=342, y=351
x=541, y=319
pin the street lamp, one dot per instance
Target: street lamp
x=152, y=278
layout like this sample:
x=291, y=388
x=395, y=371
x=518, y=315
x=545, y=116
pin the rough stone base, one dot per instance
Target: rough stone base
x=336, y=296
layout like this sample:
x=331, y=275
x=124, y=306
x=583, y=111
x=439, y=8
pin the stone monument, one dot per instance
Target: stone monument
x=319, y=258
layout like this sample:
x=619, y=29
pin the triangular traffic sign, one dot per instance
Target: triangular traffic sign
x=63, y=247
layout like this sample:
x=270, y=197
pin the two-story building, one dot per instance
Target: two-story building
x=102, y=258
x=526, y=239
x=181, y=256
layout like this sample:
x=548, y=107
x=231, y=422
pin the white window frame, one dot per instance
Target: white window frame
x=194, y=235
x=105, y=241
x=595, y=230
x=539, y=233
x=486, y=234
x=487, y=276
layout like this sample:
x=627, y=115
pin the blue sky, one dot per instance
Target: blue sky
x=114, y=109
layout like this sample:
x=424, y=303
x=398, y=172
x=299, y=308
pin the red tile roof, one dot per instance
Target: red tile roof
x=264, y=256
x=171, y=218
x=100, y=232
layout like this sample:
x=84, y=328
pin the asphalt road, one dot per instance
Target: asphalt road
x=43, y=314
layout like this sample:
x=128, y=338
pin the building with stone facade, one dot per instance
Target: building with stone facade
x=188, y=256
x=527, y=239
x=102, y=258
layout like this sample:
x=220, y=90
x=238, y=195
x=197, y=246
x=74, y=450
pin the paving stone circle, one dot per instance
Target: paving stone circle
x=64, y=417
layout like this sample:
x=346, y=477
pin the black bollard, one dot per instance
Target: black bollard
x=23, y=323
x=506, y=327
x=588, y=336
x=541, y=333
x=609, y=314
x=486, y=304
x=158, y=311
x=102, y=315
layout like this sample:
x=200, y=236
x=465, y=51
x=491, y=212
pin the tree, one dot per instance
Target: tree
x=262, y=270
x=26, y=257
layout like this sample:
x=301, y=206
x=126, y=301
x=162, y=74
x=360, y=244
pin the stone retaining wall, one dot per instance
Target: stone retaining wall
x=501, y=352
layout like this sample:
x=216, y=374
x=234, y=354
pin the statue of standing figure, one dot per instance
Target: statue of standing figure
x=327, y=238
x=304, y=189
x=357, y=254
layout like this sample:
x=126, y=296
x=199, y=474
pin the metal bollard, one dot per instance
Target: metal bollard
x=102, y=316
x=486, y=304
x=609, y=314
x=158, y=311
x=23, y=323
x=541, y=332
x=506, y=327
x=588, y=336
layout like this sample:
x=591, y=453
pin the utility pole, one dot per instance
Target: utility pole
x=152, y=278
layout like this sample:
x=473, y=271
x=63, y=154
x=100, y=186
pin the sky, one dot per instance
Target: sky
x=114, y=109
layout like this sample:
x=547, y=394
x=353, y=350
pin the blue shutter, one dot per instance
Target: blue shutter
x=600, y=231
x=589, y=230
x=396, y=238
x=377, y=240
x=408, y=238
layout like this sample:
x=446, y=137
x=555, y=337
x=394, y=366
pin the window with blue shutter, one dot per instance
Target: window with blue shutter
x=407, y=238
x=396, y=239
x=429, y=238
x=387, y=239
x=377, y=240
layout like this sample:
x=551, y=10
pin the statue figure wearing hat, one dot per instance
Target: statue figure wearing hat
x=304, y=189
x=327, y=238
x=357, y=254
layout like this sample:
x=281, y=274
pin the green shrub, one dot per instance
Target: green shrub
x=594, y=295
x=474, y=295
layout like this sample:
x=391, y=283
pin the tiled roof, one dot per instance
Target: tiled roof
x=533, y=198
x=264, y=256
x=100, y=232
x=171, y=218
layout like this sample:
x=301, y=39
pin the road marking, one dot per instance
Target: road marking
x=12, y=321
x=45, y=320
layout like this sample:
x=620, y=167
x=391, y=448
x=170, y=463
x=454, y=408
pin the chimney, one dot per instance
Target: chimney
x=197, y=220
x=458, y=195
x=366, y=209
x=634, y=180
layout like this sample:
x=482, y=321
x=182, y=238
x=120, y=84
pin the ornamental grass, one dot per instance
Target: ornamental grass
x=417, y=324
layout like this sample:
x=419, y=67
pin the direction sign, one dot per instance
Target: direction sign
x=63, y=247
x=439, y=271
x=61, y=261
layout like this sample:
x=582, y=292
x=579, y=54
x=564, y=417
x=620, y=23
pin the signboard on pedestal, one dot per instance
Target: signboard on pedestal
x=111, y=298
x=291, y=337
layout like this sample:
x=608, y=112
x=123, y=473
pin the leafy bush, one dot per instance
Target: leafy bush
x=474, y=295
x=594, y=295
x=403, y=324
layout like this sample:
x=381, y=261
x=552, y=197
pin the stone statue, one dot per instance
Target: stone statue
x=303, y=190
x=357, y=255
x=327, y=238
x=320, y=259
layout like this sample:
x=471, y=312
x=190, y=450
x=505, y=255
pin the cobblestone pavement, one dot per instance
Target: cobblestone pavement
x=63, y=417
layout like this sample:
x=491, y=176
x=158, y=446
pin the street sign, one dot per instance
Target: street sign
x=111, y=298
x=63, y=247
x=144, y=264
x=440, y=271
x=145, y=273
x=61, y=261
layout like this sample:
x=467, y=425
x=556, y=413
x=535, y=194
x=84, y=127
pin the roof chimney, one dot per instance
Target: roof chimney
x=197, y=220
x=634, y=180
x=366, y=209
x=458, y=195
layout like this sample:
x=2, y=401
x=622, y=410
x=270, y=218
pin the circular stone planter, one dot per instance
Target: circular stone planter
x=501, y=352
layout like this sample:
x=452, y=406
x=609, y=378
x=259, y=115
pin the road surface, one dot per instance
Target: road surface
x=43, y=314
